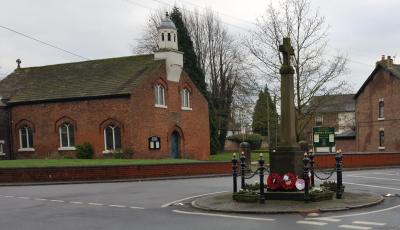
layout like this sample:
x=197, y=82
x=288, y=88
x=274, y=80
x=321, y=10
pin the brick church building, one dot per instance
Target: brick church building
x=145, y=103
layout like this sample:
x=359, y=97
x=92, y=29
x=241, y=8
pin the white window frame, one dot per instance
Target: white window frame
x=381, y=102
x=2, y=153
x=113, y=137
x=69, y=147
x=28, y=148
x=159, y=93
x=317, y=118
x=185, y=99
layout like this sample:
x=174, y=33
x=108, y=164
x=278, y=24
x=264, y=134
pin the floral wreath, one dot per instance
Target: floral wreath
x=274, y=181
x=289, y=181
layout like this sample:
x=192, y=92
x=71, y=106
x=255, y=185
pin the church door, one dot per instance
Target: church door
x=175, y=139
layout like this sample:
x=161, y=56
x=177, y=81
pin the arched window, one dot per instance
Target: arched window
x=159, y=93
x=112, y=138
x=381, y=138
x=169, y=36
x=185, y=96
x=381, y=109
x=174, y=37
x=25, y=137
x=67, y=135
x=162, y=36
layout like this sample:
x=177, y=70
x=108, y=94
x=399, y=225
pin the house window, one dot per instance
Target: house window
x=381, y=109
x=162, y=36
x=381, y=138
x=174, y=37
x=159, y=92
x=112, y=138
x=185, y=96
x=318, y=120
x=25, y=137
x=67, y=135
x=154, y=142
x=169, y=36
x=2, y=147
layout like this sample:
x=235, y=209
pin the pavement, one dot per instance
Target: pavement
x=223, y=202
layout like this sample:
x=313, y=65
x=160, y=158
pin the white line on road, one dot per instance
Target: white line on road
x=188, y=198
x=387, y=174
x=370, y=177
x=374, y=186
x=222, y=215
x=369, y=223
x=354, y=227
x=75, y=202
x=95, y=204
x=364, y=213
x=324, y=219
x=41, y=199
x=134, y=207
x=23, y=197
x=59, y=201
x=311, y=222
x=9, y=196
x=116, y=206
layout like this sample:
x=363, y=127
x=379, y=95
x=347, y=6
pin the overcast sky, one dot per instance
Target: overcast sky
x=364, y=29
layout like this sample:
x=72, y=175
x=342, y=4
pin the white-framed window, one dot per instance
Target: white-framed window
x=67, y=136
x=319, y=119
x=2, y=147
x=381, y=138
x=185, y=98
x=381, y=113
x=25, y=138
x=159, y=93
x=112, y=138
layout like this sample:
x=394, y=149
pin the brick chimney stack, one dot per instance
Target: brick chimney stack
x=387, y=62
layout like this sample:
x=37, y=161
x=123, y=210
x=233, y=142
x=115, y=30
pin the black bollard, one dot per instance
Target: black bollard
x=261, y=171
x=234, y=172
x=311, y=156
x=306, y=161
x=339, y=165
x=242, y=168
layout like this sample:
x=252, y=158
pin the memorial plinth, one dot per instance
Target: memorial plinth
x=288, y=156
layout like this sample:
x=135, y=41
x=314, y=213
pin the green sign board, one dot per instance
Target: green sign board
x=323, y=136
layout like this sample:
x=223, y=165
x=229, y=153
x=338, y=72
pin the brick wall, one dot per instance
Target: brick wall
x=359, y=160
x=4, y=134
x=15, y=175
x=346, y=145
x=138, y=117
x=386, y=87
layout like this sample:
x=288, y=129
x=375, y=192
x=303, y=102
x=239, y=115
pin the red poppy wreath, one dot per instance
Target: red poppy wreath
x=274, y=181
x=289, y=181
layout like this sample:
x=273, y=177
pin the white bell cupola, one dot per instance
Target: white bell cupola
x=168, y=49
x=167, y=34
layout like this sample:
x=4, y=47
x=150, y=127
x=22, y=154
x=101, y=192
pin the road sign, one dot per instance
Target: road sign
x=323, y=136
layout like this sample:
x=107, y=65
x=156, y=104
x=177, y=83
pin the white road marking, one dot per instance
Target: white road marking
x=374, y=186
x=23, y=197
x=9, y=196
x=134, y=207
x=75, y=202
x=117, y=206
x=324, y=219
x=95, y=204
x=222, y=215
x=354, y=227
x=377, y=178
x=364, y=213
x=369, y=223
x=311, y=222
x=41, y=199
x=188, y=198
x=59, y=201
x=388, y=174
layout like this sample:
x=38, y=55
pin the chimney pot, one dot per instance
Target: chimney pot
x=383, y=58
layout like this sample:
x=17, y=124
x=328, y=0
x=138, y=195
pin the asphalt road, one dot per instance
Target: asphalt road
x=164, y=205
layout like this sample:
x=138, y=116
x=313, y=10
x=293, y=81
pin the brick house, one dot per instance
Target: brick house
x=143, y=103
x=378, y=109
x=336, y=111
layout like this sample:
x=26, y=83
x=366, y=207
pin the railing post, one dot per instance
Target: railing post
x=234, y=172
x=306, y=161
x=311, y=155
x=242, y=168
x=339, y=165
x=261, y=171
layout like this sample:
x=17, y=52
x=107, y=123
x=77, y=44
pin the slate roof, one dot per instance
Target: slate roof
x=334, y=103
x=79, y=80
x=394, y=70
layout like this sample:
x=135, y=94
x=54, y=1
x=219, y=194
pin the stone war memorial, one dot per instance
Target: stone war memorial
x=289, y=184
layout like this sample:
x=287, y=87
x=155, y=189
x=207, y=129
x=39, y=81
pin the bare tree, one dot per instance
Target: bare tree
x=316, y=72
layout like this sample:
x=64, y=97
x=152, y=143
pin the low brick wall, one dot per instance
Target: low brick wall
x=359, y=160
x=92, y=173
